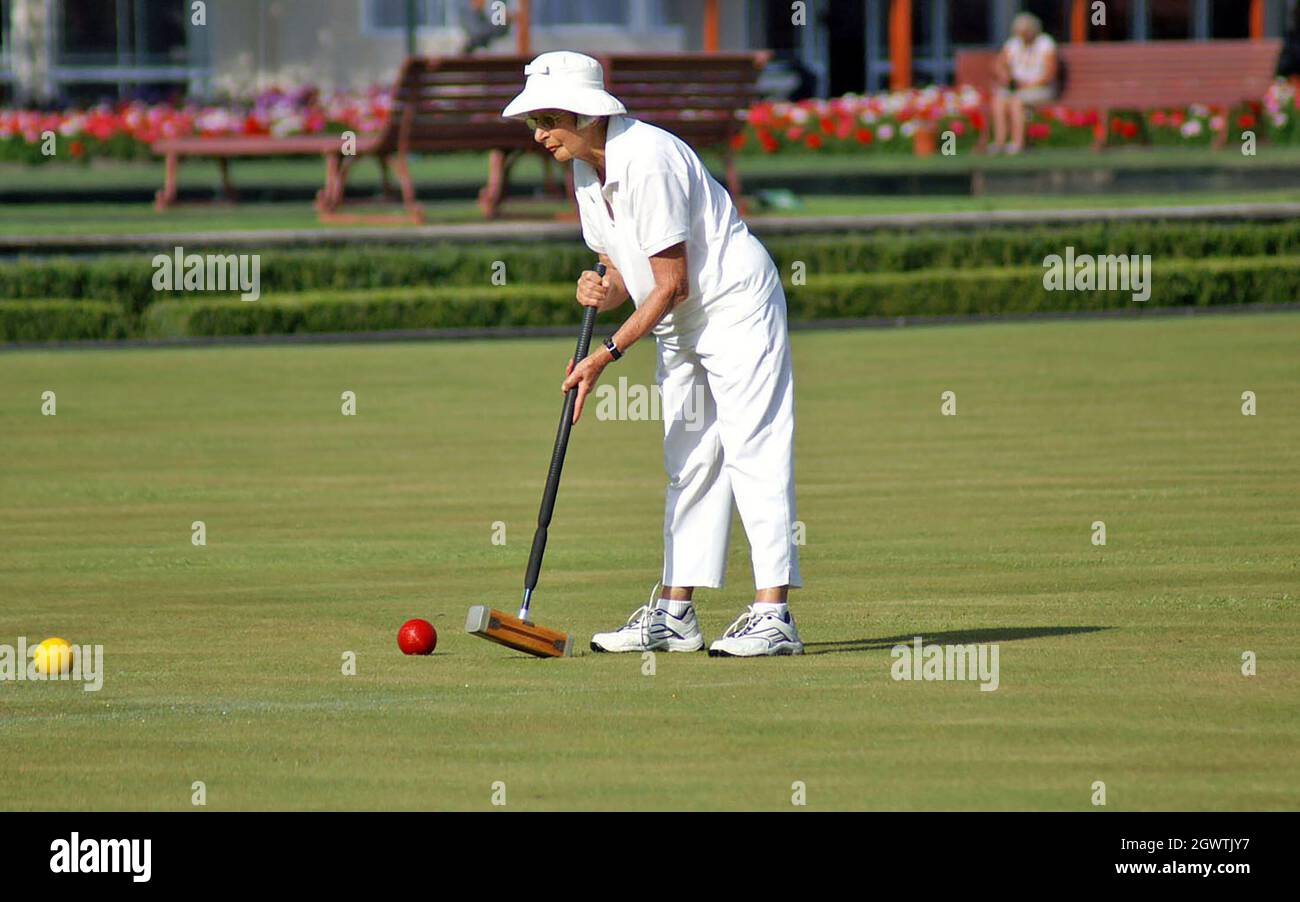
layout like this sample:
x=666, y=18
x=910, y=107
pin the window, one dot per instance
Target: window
x=1118, y=27
x=1055, y=15
x=6, y=77
x=1170, y=20
x=4, y=37
x=390, y=15
x=105, y=50
x=1230, y=19
x=583, y=12
x=121, y=32
x=971, y=23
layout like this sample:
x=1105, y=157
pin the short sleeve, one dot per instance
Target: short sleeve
x=661, y=210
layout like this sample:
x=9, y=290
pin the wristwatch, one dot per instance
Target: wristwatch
x=612, y=348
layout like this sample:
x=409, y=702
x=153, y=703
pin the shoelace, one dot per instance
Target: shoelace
x=743, y=623
x=640, y=618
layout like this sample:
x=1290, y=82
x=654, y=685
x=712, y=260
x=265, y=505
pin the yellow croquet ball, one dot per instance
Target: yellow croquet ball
x=53, y=656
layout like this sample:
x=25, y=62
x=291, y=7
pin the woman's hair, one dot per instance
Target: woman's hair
x=1027, y=20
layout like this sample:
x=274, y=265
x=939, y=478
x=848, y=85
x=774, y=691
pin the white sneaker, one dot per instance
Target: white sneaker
x=651, y=628
x=756, y=633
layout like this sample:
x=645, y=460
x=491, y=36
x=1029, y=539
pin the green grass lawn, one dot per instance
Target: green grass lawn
x=471, y=168
x=1118, y=663
x=127, y=219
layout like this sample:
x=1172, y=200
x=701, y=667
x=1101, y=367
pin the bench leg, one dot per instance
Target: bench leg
x=1220, y=139
x=166, y=196
x=733, y=181
x=986, y=116
x=493, y=193
x=326, y=197
x=1103, y=131
x=386, y=183
x=408, y=188
x=228, y=192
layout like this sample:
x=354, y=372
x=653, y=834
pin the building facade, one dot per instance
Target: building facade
x=81, y=51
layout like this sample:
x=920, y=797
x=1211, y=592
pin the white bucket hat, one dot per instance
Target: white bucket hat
x=564, y=80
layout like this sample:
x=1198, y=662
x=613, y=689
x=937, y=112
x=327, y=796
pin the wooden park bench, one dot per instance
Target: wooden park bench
x=1146, y=75
x=455, y=103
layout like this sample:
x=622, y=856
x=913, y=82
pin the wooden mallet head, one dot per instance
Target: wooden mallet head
x=510, y=631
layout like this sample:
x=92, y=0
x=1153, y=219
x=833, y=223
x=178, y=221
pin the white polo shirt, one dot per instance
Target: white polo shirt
x=1028, y=62
x=662, y=195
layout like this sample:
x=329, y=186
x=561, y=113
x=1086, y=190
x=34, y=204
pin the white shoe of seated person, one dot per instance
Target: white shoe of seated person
x=756, y=633
x=651, y=628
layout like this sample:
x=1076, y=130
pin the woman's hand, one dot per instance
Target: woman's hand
x=584, y=376
x=593, y=290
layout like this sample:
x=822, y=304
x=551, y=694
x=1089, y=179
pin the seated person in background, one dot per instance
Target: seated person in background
x=1025, y=74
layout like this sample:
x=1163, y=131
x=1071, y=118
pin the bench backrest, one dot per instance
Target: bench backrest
x=451, y=103
x=455, y=103
x=1149, y=74
x=698, y=97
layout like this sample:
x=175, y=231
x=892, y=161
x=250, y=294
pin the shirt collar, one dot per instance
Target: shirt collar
x=617, y=151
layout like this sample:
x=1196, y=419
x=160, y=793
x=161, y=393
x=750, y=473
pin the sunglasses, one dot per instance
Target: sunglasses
x=545, y=122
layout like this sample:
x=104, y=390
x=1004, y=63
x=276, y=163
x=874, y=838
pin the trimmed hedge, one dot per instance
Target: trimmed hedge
x=1175, y=283
x=62, y=321
x=980, y=249
x=128, y=279
x=412, y=308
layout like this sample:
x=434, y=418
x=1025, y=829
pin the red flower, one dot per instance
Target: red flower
x=76, y=148
x=1246, y=120
x=864, y=136
x=814, y=141
x=1159, y=118
x=1039, y=131
x=738, y=140
x=827, y=124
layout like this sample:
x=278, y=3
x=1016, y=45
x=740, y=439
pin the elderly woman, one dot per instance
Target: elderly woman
x=1025, y=73
x=672, y=241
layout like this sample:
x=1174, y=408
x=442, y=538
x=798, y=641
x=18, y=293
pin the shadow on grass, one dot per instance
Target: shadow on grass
x=954, y=637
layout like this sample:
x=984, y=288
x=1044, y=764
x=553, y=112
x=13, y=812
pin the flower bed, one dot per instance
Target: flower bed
x=125, y=132
x=886, y=123
x=878, y=123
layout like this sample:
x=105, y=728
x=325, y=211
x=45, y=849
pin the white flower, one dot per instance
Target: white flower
x=1191, y=128
x=885, y=132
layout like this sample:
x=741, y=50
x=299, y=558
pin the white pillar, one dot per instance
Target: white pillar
x=30, y=46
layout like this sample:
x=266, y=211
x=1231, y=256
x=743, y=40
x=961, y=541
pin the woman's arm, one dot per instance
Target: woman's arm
x=1049, y=69
x=672, y=286
x=617, y=291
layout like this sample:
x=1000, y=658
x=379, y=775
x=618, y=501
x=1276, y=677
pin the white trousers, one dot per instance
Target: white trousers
x=728, y=409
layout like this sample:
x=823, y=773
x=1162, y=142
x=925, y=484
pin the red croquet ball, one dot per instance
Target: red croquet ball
x=417, y=637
